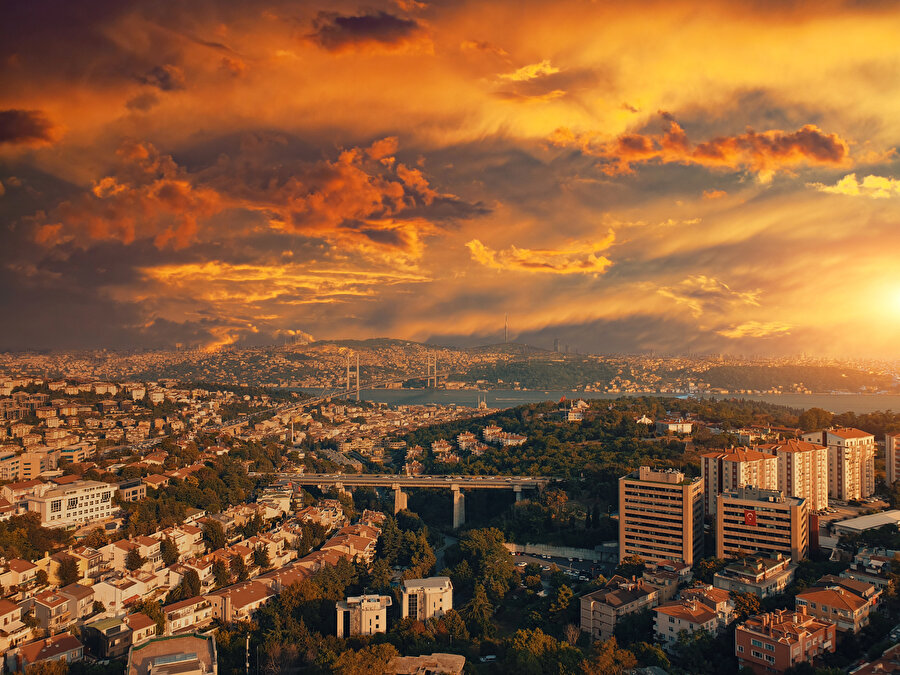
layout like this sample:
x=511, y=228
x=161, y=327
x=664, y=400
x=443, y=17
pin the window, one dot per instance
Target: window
x=770, y=648
x=756, y=654
x=756, y=643
x=741, y=649
x=56, y=506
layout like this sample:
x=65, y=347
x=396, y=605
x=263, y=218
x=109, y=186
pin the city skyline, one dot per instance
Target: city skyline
x=622, y=179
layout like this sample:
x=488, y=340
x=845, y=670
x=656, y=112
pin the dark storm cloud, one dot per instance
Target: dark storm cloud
x=166, y=77
x=25, y=127
x=336, y=32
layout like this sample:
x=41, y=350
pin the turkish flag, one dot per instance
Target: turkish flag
x=749, y=517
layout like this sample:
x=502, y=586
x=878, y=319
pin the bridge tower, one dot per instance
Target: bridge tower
x=401, y=499
x=350, y=375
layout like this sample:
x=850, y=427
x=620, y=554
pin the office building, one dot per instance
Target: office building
x=802, y=470
x=422, y=599
x=661, y=516
x=730, y=469
x=362, y=615
x=751, y=520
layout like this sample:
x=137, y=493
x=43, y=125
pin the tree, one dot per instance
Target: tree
x=68, y=572
x=41, y=577
x=220, y=573
x=214, y=535
x=814, y=419
x=561, y=603
x=609, y=659
x=239, y=568
x=169, y=551
x=98, y=607
x=96, y=538
x=261, y=557
x=477, y=613
x=134, y=560
x=190, y=584
x=745, y=604
x=706, y=569
x=371, y=659
x=47, y=668
x=631, y=566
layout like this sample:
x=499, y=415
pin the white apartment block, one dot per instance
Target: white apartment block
x=802, y=470
x=851, y=462
x=362, y=615
x=79, y=502
x=723, y=470
x=892, y=457
x=422, y=599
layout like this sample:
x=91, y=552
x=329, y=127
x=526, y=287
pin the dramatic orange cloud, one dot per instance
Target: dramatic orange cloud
x=576, y=259
x=875, y=187
x=372, y=30
x=763, y=153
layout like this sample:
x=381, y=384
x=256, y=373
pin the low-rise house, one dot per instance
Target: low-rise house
x=847, y=603
x=683, y=616
x=63, y=647
x=716, y=599
x=107, y=638
x=143, y=628
x=13, y=630
x=187, y=615
x=872, y=568
x=19, y=573
x=51, y=610
x=619, y=597
x=773, y=642
x=80, y=598
x=758, y=575
x=238, y=602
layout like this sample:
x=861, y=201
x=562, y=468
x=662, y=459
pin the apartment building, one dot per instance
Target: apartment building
x=661, y=516
x=238, y=602
x=603, y=608
x=847, y=603
x=425, y=598
x=730, y=469
x=851, y=462
x=802, y=470
x=751, y=520
x=78, y=502
x=683, y=616
x=362, y=615
x=892, y=457
x=758, y=575
x=772, y=643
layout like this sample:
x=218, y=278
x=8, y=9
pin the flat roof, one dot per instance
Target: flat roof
x=870, y=522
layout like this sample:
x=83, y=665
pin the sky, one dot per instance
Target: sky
x=676, y=177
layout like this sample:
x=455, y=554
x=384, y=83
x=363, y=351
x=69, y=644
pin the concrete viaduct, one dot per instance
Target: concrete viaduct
x=456, y=484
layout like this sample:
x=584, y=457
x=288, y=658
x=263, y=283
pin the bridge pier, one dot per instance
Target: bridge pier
x=401, y=499
x=459, y=506
x=343, y=490
x=517, y=489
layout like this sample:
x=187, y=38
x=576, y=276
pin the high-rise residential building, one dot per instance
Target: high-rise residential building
x=730, y=469
x=892, y=457
x=851, y=462
x=751, y=520
x=802, y=470
x=422, y=599
x=362, y=615
x=661, y=516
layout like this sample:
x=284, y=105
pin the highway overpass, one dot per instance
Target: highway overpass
x=398, y=483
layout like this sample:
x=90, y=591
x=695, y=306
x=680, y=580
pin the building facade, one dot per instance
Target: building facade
x=362, y=615
x=79, y=502
x=730, y=469
x=802, y=471
x=892, y=457
x=772, y=643
x=851, y=462
x=661, y=516
x=422, y=599
x=750, y=520
x=602, y=609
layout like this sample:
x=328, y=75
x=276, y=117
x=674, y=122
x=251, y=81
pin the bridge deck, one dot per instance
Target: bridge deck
x=388, y=480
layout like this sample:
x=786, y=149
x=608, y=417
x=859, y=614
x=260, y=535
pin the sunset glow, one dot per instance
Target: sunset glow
x=677, y=177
